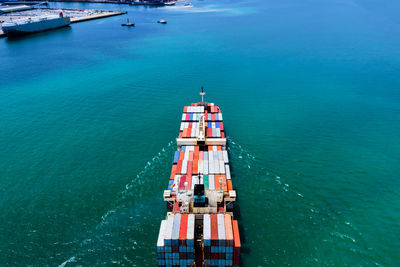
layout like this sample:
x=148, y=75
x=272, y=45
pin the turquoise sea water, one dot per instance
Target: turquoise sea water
x=311, y=103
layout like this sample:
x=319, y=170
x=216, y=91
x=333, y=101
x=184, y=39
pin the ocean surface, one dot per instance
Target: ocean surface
x=310, y=92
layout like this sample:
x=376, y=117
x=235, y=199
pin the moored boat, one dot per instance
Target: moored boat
x=35, y=24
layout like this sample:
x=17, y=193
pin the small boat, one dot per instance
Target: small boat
x=128, y=23
x=170, y=3
x=187, y=4
x=163, y=21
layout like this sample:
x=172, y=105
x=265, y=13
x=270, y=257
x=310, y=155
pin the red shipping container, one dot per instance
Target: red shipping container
x=184, y=132
x=219, y=148
x=190, y=168
x=187, y=117
x=214, y=230
x=183, y=230
x=222, y=135
x=176, y=208
x=201, y=155
x=196, y=155
x=213, y=117
x=189, y=132
x=184, y=109
x=182, y=182
x=221, y=126
x=196, y=149
x=173, y=172
x=180, y=135
x=179, y=167
x=209, y=132
x=190, y=125
x=191, y=155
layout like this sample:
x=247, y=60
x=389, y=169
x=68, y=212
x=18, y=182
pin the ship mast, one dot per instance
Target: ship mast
x=202, y=93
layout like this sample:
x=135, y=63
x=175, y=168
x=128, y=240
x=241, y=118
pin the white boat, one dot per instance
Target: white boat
x=35, y=24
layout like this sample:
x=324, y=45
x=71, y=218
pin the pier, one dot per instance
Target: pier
x=76, y=15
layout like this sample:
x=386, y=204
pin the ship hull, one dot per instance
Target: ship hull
x=35, y=27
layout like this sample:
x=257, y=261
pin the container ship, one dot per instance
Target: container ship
x=199, y=228
x=35, y=24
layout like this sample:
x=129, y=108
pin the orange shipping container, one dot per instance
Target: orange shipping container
x=195, y=166
x=236, y=237
x=228, y=230
x=181, y=155
x=173, y=172
x=230, y=187
x=191, y=155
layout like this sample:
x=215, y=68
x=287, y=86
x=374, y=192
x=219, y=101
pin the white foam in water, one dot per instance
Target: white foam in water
x=108, y=217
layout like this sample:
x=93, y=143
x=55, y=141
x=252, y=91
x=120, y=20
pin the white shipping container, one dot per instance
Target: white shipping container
x=201, y=180
x=177, y=179
x=184, y=116
x=213, y=125
x=225, y=154
x=206, y=227
x=193, y=182
x=200, y=164
x=176, y=226
x=182, y=126
x=211, y=182
x=186, y=154
x=216, y=166
x=184, y=165
x=221, y=227
x=216, y=116
x=190, y=229
x=211, y=166
x=193, y=133
x=227, y=172
x=205, y=166
x=220, y=155
x=220, y=116
x=210, y=155
x=186, y=125
x=218, y=131
x=170, y=224
x=205, y=155
x=214, y=148
x=191, y=148
x=221, y=166
x=161, y=234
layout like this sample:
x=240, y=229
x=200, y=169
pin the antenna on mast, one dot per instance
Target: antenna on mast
x=202, y=93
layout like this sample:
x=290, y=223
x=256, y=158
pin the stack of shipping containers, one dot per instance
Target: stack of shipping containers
x=207, y=165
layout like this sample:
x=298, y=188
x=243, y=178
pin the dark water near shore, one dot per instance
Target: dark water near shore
x=311, y=103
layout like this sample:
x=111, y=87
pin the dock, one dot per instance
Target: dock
x=76, y=15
